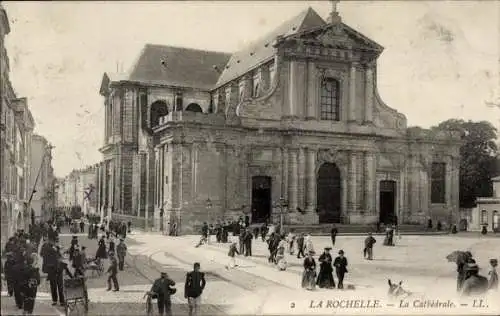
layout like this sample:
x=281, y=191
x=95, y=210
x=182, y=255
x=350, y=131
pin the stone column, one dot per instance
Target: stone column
x=301, y=179
x=292, y=88
x=369, y=94
x=352, y=93
x=352, y=182
x=312, y=92
x=293, y=184
x=370, y=183
x=311, y=180
x=284, y=181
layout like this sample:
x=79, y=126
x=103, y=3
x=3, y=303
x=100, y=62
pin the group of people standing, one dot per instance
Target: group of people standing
x=469, y=281
x=324, y=279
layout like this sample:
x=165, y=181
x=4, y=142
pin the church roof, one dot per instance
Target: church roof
x=183, y=67
x=262, y=49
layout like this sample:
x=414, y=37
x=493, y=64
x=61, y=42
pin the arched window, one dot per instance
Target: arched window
x=158, y=109
x=330, y=100
x=193, y=107
x=484, y=217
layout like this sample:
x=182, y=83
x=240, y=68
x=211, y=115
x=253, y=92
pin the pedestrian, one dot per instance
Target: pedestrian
x=474, y=283
x=300, y=246
x=111, y=248
x=129, y=224
x=242, y=241
x=368, y=250
x=78, y=262
x=493, y=281
x=113, y=271
x=232, y=252
x=18, y=272
x=280, y=255
x=290, y=241
x=309, y=244
x=82, y=226
x=325, y=275
x=31, y=281
x=9, y=272
x=248, y=242
x=121, y=251
x=333, y=235
x=55, y=276
x=194, y=286
x=340, y=265
x=263, y=232
x=309, y=274
x=162, y=290
x=101, y=249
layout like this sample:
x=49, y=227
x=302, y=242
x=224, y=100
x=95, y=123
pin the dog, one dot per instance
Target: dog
x=397, y=291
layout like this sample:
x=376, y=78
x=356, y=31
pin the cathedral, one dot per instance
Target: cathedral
x=291, y=126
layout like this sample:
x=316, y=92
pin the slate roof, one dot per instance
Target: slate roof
x=185, y=67
x=262, y=49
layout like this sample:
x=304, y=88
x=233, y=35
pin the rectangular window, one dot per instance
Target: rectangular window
x=484, y=217
x=438, y=183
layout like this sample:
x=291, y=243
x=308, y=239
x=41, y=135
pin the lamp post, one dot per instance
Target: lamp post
x=282, y=204
x=209, y=207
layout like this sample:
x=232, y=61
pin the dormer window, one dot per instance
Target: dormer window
x=330, y=100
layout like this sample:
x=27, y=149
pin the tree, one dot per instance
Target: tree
x=479, y=154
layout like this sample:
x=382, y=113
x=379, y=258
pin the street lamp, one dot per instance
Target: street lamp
x=209, y=206
x=282, y=204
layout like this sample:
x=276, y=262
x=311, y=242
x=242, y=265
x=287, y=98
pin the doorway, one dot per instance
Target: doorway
x=387, y=202
x=329, y=193
x=261, y=199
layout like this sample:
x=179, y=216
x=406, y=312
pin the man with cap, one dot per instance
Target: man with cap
x=162, y=291
x=113, y=271
x=340, y=265
x=474, y=283
x=121, y=251
x=193, y=288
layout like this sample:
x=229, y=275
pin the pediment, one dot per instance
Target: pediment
x=337, y=36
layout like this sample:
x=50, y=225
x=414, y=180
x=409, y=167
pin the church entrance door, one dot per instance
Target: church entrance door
x=329, y=193
x=387, y=202
x=261, y=199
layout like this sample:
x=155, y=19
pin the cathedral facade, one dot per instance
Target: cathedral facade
x=293, y=123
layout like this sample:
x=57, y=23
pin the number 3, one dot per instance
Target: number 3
x=292, y=305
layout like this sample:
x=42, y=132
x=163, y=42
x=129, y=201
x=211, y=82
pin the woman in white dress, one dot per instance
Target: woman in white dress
x=280, y=255
x=309, y=245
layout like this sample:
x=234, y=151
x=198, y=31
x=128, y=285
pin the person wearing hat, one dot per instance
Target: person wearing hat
x=474, y=283
x=325, y=276
x=368, y=250
x=9, y=272
x=113, y=272
x=162, y=290
x=309, y=274
x=30, y=283
x=121, y=252
x=493, y=281
x=340, y=265
x=193, y=288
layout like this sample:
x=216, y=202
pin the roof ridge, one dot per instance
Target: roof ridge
x=186, y=48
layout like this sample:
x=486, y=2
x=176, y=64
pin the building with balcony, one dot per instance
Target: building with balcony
x=42, y=178
x=16, y=129
x=294, y=116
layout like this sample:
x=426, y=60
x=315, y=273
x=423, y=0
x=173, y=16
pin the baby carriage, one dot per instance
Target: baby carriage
x=96, y=266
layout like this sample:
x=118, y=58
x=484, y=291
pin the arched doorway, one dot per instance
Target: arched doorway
x=261, y=199
x=329, y=193
x=194, y=107
x=387, y=202
x=158, y=109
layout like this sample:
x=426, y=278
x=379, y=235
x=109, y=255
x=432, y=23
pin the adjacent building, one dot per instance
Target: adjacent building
x=42, y=180
x=78, y=189
x=16, y=127
x=295, y=119
x=487, y=211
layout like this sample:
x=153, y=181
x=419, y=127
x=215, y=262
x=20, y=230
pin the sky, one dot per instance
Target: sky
x=441, y=59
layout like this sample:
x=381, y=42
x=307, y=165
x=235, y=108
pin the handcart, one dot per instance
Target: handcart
x=75, y=292
x=150, y=296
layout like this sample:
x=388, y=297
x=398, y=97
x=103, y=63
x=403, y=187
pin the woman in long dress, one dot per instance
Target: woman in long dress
x=309, y=274
x=325, y=276
x=309, y=245
x=280, y=255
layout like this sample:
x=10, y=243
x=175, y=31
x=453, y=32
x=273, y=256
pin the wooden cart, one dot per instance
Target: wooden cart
x=75, y=292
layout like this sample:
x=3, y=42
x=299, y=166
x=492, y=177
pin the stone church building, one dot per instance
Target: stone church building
x=293, y=121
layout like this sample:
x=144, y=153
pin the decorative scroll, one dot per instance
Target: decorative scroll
x=331, y=155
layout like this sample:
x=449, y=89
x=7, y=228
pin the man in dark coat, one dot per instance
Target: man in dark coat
x=325, y=276
x=82, y=226
x=300, y=246
x=474, y=283
x=121, y=251
x=30, y=283
x=242, y=240
x=340, y=265
x=368, y=250
x=113, y=271
x=333, y=234
x=162, y=290
x=248, y=243
x=55, y=275
x=193, y=288
x=18, y=272
x=9, y=272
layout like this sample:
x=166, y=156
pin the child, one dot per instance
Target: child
x=232, y=251
x=493, y=281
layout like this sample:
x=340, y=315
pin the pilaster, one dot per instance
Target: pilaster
x=352, y=182
x=293, y=184
x=293, y=98
x=285, y=165
x=301, y=179
x=312, y=92
x=352, y=93
x=370, y=171
x=369, y=87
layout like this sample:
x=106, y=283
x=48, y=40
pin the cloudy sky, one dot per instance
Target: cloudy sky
x=441, y=59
